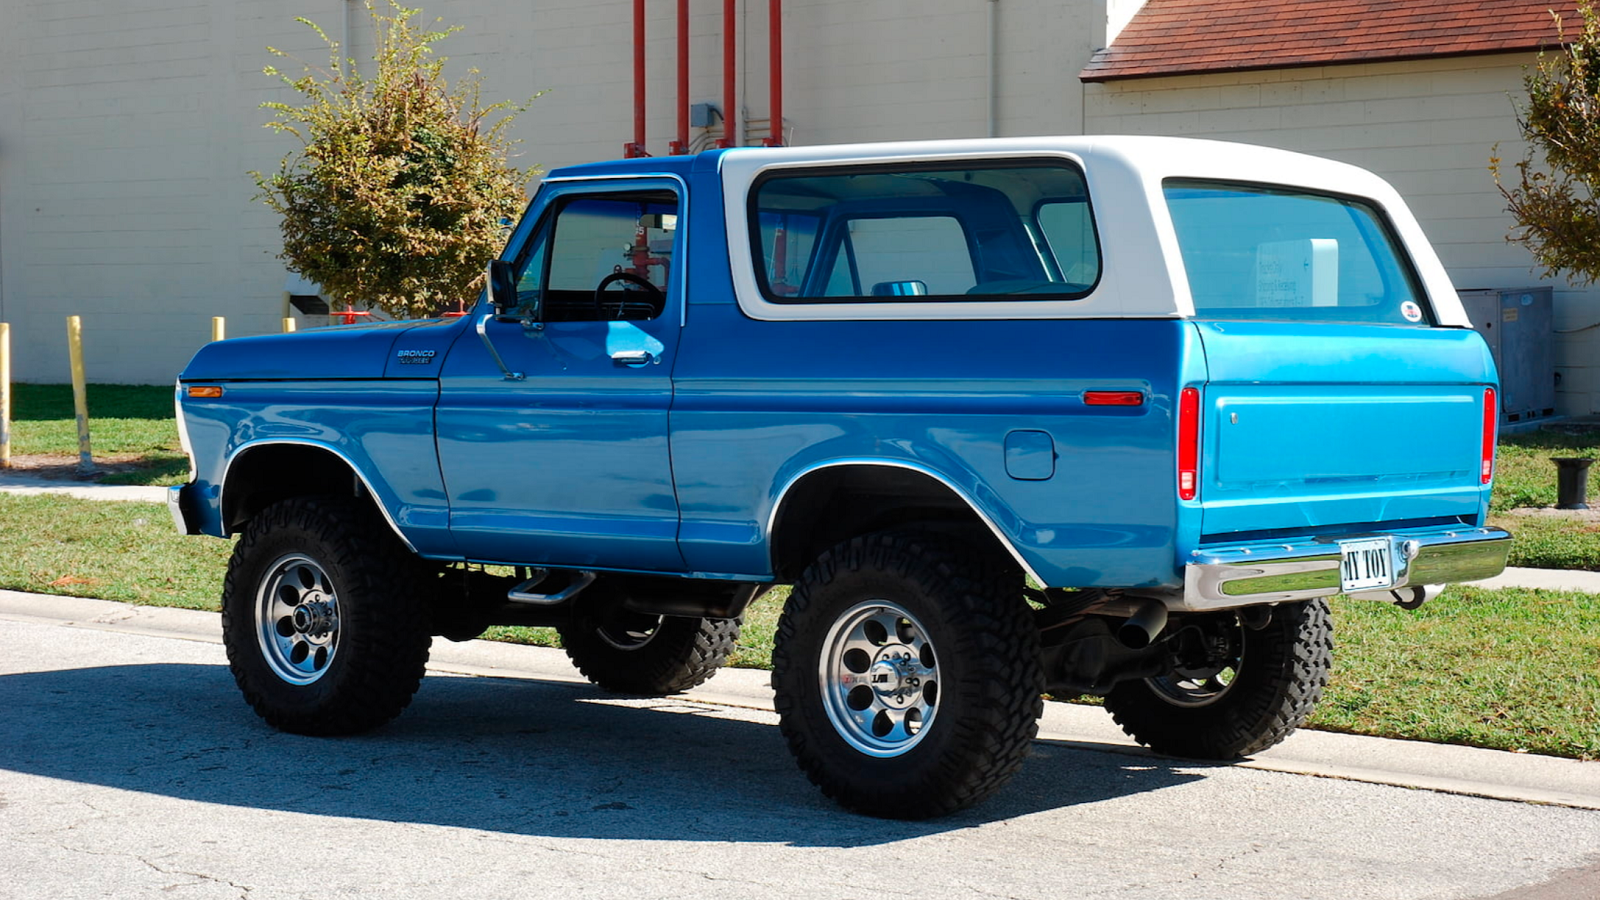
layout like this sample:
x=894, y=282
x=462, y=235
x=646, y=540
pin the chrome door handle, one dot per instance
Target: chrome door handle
x=632, y=358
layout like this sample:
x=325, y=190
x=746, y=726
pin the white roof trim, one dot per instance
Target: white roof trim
x=1124, y=176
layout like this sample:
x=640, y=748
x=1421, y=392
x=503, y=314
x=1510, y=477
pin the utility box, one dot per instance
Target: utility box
x=1518, y=324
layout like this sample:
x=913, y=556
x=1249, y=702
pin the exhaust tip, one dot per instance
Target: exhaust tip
x=1141, y=629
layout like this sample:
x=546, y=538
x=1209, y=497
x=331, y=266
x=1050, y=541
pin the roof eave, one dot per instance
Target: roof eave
x=1091, y=75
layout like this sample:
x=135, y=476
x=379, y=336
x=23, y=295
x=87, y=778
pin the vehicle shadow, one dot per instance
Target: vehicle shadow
x=508, y=755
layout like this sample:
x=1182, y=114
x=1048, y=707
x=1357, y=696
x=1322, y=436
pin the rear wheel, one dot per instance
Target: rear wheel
x=1250, y=691
x=322, y=618
x=634, y=653
x=907, y=675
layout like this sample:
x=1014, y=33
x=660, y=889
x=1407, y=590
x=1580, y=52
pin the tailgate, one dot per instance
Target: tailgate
x=1321, y=426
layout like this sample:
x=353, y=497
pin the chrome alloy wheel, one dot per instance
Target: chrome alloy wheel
x=297, y=619
x=879, y=679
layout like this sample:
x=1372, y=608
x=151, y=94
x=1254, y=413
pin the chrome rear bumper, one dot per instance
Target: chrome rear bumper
x=1234, y=575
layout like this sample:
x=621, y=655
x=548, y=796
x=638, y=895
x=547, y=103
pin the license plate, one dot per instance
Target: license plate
x=1366, y=564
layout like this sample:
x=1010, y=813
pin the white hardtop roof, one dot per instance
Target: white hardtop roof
x=1142, y=270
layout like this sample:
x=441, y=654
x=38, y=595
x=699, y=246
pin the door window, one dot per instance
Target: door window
x=602, y=257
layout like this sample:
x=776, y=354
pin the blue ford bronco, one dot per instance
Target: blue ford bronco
x=1106, y=416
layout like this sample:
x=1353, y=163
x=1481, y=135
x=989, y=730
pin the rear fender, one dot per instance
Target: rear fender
x=827, y=502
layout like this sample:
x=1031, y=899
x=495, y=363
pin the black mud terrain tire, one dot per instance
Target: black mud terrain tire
x=1273, y=680
x=323, y=617
x=907, y=674
x=633, y=653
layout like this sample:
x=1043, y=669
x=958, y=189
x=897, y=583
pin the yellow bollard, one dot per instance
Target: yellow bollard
x=219, y=328
x=288, y=324
x=80, y=392
x=5, y=395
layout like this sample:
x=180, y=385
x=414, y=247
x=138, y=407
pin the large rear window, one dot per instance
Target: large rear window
x=1266, y=252
x=924, y=232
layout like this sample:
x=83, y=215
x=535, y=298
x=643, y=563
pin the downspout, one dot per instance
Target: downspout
x=681, y=145
x=729, y=110
x=636, y=148
x=992, y=87
x=775, y=72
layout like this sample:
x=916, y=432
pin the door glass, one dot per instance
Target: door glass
x=610, y=258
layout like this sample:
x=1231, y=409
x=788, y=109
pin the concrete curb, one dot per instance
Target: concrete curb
x=1525, y=778
x=29, y=486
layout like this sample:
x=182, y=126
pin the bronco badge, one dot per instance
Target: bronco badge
x=415, y=357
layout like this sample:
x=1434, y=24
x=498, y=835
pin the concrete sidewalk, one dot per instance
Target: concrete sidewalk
x=1444, y=768
x=12, y=482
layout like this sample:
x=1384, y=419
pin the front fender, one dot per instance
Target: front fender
x=381, y=430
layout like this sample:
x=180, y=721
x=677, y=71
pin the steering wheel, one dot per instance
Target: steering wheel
x=654, y=295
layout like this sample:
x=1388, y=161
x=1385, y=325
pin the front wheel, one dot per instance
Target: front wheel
x=1254, y=688
x=323, y=619
x=907, y=675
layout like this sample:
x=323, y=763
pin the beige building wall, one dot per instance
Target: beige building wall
x=127, y=128
x=1429, y=127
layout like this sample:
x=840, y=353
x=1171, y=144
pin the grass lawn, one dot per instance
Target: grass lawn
x=1511, y=669
x=132, y=432
x=1525, y=477
x=1524, y=474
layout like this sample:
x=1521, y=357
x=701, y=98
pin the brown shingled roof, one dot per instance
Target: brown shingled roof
x=1180, y=37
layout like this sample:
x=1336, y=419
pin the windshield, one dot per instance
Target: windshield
x=927, y=232
x=1265, y=252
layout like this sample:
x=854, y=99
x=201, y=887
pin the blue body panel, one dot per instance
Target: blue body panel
x=760, y=403
x=570, y=465
x=383, y=428
x=1315, y=425
x=349, y=351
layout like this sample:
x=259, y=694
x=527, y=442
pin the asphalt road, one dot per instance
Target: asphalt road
x=130, y=768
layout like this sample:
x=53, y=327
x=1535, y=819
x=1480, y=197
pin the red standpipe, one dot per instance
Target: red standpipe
x=775, y=72
x=636, y=148
x=681, y=145
x=728, y=107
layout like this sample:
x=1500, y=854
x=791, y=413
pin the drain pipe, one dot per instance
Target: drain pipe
x=729, y=110
x=681, y=145
x=994, y=41
x=775, y=66
x=636, y=147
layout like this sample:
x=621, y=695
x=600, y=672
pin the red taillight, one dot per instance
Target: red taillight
x=1491, y=418
x=1113, y=398
x=1188, y=443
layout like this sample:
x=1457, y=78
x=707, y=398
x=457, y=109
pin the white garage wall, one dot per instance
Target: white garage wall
x=127, y=127
x=1429, y=127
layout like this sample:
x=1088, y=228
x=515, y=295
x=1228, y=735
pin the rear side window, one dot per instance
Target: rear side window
x=924, y=232
x=1266, y=252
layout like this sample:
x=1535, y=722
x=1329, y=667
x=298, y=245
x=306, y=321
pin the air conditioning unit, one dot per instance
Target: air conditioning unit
x=1517, y=323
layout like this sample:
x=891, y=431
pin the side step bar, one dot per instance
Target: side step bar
x=523, y=593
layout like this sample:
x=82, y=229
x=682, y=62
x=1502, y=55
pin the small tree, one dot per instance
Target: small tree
x=1557, y=204
x=400, y=191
